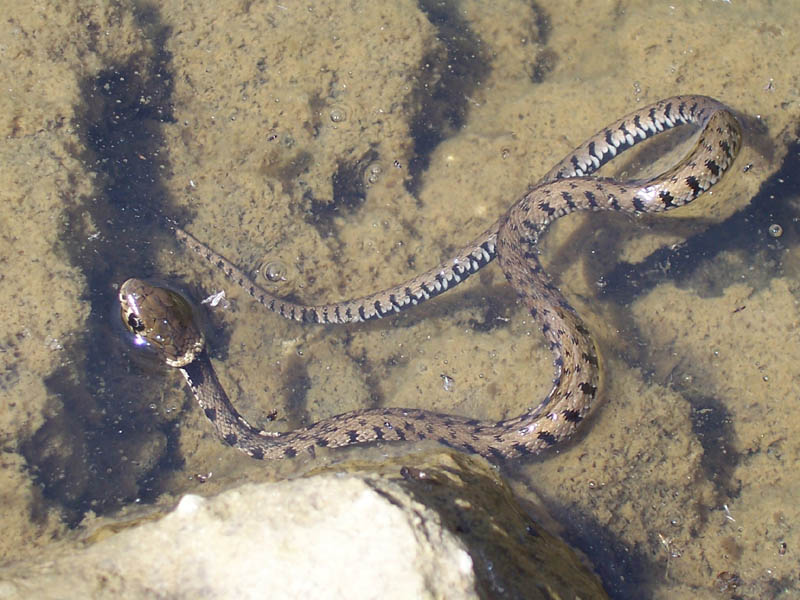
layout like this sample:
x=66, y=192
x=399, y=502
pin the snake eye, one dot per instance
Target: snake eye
x=135, y=323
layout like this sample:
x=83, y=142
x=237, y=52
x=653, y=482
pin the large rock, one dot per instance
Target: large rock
x=451, y=530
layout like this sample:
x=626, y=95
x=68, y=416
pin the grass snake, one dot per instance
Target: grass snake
x=163, y=319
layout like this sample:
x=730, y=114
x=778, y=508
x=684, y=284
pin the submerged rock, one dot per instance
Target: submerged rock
x=448, y=529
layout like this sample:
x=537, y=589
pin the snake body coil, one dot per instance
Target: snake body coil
x=163, y=319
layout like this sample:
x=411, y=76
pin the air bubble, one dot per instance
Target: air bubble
x=338, y=114
x=373, y=173
x=275, y=271
x=775, y=230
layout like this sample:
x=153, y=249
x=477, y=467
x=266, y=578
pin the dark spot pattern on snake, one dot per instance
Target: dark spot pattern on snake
x=164, y=320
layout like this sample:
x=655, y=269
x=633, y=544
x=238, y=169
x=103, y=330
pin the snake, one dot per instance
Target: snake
x=163, y=319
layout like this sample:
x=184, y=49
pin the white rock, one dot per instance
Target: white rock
x=325, y=537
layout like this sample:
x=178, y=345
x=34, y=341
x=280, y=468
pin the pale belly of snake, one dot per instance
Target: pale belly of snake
x=163, y=319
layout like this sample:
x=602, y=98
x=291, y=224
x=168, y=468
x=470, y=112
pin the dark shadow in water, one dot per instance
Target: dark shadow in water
x=105, y=445
x=449, y=73
x=712, y=424
x=453, y=71
x=697, y=264
x=747, y=231
x=625, y=572
x=349, y=193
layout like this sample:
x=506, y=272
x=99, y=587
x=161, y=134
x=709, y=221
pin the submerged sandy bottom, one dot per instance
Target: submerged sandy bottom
x=683, y=483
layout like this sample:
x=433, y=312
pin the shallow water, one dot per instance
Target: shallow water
x=358, y=145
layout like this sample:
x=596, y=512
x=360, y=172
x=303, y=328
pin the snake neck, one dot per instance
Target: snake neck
x=230, y=425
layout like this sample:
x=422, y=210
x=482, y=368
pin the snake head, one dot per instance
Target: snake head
x=161, y=319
